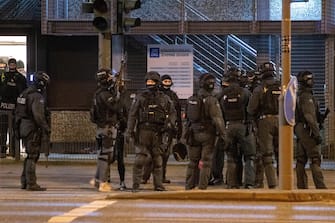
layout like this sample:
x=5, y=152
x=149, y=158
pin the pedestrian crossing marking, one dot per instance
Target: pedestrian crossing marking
x=81, y=211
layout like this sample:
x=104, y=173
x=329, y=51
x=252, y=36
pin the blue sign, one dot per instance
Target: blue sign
x=154, y=52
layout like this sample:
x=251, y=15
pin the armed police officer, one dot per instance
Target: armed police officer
x=308, y=133
x=151, y=114
x=239, y=137
x=12, y=83
x=165, y=87
x=263, y=106
x=32, y=118
x=104, y=113
x=126, y=98
x=204, y=122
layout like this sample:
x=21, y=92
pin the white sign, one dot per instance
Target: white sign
x=176, y=61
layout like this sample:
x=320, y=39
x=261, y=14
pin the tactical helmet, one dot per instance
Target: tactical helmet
x=305, y=78
x=207, y=81
x=41, y=80
x=234, y=73
x=225, y=81
x=154, y=77
x=103, y=76
x=267, y=70
x=179, y=151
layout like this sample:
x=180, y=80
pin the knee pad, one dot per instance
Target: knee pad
x=249, y=158
x=301, y=160
x=231, y=158
x=33, y=156
x=192, y=164
x=108, y=142
x=267, y=159
x=316, y=161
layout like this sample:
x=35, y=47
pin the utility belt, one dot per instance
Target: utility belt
x=202, y=126
x=152, y=126
x=234, y=122
x=268, y=116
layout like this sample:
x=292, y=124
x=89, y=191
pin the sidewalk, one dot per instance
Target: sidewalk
x=64, y=175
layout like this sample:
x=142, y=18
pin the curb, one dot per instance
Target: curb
x=234, y=195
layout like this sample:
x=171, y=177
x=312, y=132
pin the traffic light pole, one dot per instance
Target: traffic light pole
x=105, y=38
x=285, y=130
x=104, y=52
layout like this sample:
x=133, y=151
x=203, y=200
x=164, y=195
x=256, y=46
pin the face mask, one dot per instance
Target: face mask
x=151, y=85
x=166, y=87
x=210, y=84
x=310, y=82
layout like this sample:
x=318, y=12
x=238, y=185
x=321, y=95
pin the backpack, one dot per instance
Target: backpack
x=195, y=108
x=270, y=103
x=232, y=104
x=22, y=113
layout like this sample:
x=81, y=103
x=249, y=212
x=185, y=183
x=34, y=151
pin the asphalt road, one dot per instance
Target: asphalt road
x=70, y=198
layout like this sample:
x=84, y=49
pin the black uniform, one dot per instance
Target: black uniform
x=12, y=83
x=240, y=139
x=151, y=113
x=267, y=126
x=126, y=98
x=107, y=123
x=200, y=134
x=308, y=134
x=219, y=150
x=167, y=138
x=32, y=118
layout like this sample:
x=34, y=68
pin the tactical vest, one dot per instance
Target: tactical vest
x=232, y=104
x=195, y=111
x=22, y=110
x=154, y=109
x=269, y=102
x=23, y=114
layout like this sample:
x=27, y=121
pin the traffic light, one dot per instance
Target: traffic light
x=102, y=19
x=124, y=8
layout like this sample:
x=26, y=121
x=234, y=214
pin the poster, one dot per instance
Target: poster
x=176, y=61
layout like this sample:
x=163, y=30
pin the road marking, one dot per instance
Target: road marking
x=81, y=211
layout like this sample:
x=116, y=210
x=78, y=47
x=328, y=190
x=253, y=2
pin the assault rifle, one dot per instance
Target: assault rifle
x=46, y=145
x=45, y=138
x=119, y=76
x=322, y=117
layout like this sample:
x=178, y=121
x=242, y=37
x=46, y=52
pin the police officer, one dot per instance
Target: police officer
x=308, y=133
x=12, y=83
x=151, y=114
x=266, y=114
x=219, y=150
x=204, y=120
x=32, y=117
x=126, y=98
x=106, y=99
x=165, y=87
x=239, y=137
